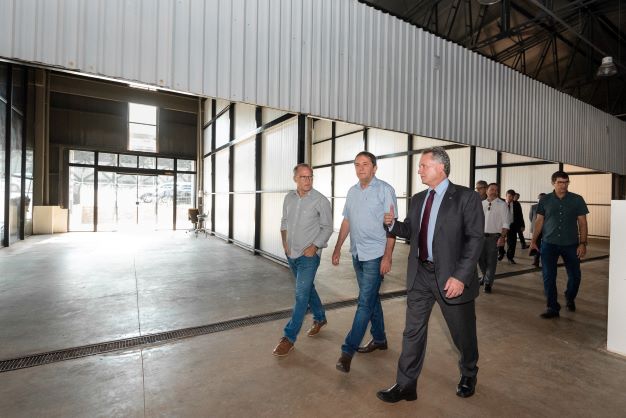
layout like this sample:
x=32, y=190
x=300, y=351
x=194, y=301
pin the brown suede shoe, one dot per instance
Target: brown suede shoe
x=283, y=348
x=315, y=328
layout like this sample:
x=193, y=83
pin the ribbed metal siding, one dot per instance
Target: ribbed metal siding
x=338, y=59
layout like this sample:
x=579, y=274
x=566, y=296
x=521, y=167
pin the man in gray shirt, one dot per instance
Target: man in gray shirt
x=305, y=227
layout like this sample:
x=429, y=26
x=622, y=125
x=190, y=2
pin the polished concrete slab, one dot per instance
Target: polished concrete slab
x=67, y=290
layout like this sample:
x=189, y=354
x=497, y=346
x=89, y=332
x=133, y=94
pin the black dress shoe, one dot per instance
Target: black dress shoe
x=396, y=393
x=343, y=364
x=511, y=261
x=500, y=257
x=371, y=346
x=571, y=306
x=466, y=386
x=549, y=314
x=487, y=288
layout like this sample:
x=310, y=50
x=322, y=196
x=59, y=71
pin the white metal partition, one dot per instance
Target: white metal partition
x=338, y=59
x=221, y=192
x=244, y=191
x=279, y=156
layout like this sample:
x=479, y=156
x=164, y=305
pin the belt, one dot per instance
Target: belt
x=493, y=235
x=427, y=263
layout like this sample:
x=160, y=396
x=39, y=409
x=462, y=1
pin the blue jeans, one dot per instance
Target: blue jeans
x=369, y=308
x=549, y=257
x=304, y=269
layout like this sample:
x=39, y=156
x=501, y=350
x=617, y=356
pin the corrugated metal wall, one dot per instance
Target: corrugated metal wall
x=337, y=59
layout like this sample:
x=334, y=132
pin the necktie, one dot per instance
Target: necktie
x=423, y=238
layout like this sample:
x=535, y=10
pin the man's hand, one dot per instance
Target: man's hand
x=533, y=246
x=385, y=263
x=454, y=288
x=389, y=217
x=336, y=256
x=581, y=251
x=500, y=242
x=310, y=251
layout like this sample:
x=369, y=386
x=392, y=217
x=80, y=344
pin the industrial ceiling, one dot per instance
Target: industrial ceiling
x=558, y=42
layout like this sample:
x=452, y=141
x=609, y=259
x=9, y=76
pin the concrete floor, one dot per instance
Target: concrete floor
x=69, y=290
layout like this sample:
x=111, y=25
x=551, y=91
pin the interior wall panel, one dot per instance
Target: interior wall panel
x=347, y=147
x=271, y=205
x=280, y=155
x=528, y=181
x=382, y=142
x=307, y=55
x=322, y=181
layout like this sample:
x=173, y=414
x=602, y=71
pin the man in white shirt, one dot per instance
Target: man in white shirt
x=497, y=222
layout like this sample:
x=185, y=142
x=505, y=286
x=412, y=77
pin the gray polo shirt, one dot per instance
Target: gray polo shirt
x=307, y=220
x=560, y=224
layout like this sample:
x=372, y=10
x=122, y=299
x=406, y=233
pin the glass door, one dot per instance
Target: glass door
x=133, y=201
x=146, y=207
x=165, y=202
x=126, y=201
x=81, y=198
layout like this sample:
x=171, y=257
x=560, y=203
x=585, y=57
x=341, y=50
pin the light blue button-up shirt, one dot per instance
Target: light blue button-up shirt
x=440, y=190
x=365, y=211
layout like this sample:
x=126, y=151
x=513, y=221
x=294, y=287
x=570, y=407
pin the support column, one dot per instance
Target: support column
x=616, y=333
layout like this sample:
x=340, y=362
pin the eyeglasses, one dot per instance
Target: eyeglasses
x=309, y=178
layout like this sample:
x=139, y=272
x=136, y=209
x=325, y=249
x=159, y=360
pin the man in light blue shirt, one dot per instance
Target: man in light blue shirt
x=371, y=247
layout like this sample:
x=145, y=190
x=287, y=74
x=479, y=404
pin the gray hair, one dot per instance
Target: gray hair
x=301, y=165
x=440, y=155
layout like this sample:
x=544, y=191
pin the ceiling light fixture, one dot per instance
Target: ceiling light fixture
x=607, y=68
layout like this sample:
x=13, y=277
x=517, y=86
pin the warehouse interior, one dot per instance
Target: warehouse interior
x=114, y=303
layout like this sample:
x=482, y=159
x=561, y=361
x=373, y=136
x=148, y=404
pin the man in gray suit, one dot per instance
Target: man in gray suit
x=446, y=226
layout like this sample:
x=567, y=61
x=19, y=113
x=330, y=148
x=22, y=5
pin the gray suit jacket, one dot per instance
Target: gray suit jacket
x=457, y=243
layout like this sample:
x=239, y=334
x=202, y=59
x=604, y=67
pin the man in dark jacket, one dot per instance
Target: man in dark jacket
x=517, y=225
x=446, y=226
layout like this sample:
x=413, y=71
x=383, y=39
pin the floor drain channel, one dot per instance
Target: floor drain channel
x=146, y=340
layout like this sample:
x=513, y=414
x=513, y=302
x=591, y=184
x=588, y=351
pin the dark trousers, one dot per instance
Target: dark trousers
x=522, y=240
x=461, y=321
x=511, y=243
x=488, y=260
x=550, y=254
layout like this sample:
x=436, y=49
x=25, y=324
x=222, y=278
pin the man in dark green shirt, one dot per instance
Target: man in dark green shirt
x=562, y=222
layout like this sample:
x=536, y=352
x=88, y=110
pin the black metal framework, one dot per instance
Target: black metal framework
x=231, y=171
x=472, y=178
x=560, y=44
x=7, y=154
x=12, y=107
x=301, y=137
x=257, y=134
x=333, y=137
x=258, y=170
x=213, y=158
